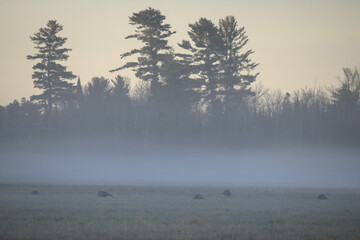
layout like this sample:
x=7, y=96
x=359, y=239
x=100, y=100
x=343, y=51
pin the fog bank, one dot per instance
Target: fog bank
x=288, y=167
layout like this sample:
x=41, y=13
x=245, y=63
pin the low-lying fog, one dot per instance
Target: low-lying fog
x=280, y=166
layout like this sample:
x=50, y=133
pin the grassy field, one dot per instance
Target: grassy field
x=75, y=212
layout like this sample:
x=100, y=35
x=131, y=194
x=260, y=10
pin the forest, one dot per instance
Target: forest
x=205, y=93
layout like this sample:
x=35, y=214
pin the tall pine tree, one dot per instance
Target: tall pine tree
x=204, y=60
x=49, y=75
x=153, y=33
x=236, y=65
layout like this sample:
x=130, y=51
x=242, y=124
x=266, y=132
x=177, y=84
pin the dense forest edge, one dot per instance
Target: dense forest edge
x=206, y=94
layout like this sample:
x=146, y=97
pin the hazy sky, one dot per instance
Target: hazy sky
x=297, y=43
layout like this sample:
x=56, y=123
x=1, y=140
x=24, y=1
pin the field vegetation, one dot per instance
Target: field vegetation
x=144, y=212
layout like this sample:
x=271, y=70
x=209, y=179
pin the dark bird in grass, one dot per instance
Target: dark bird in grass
x=198, y=196
x=227, y=192
x=35, y=192
x=103, y=194
x=322, y=197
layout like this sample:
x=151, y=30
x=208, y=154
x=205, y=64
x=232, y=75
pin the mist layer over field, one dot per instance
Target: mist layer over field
x=64, y=162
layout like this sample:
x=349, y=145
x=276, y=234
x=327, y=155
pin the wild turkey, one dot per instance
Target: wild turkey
x=322, y=197
x=103, y=194
x=227, y=193
x=198, y=196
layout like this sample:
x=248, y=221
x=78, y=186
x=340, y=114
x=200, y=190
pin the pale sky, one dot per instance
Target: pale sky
x=298, y=43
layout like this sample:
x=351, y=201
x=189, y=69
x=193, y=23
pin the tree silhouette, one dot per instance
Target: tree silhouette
x=153, y=33
x=97, y=93
x=236, y=65
x=178, y=96
x=204, y=59
x=79, y=94
x=346, y=96
x=49, y=75
x=346, y=106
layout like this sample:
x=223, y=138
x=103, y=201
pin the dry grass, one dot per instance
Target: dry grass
x=75, y=212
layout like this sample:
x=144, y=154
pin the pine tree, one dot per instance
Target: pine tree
x=204, y=59
x=346, y=98
x=236, y=66
x=153, y=33
x=79, y=94
x=346, y=107
x=96, y=108
x=49, y=75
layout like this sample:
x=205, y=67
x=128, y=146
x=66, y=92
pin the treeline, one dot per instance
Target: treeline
x=206, y=93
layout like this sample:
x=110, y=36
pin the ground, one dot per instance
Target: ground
x=149, y=212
